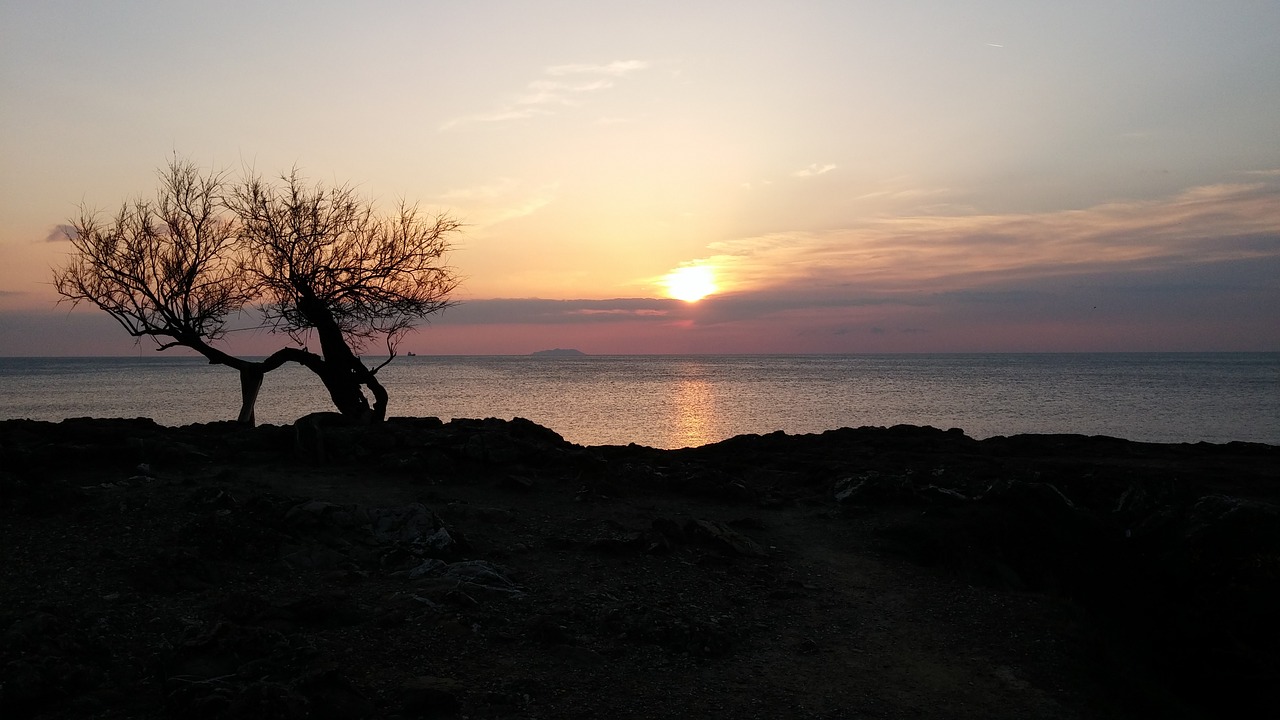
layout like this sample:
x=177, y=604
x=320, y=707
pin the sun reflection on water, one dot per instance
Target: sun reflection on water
x=693, y=411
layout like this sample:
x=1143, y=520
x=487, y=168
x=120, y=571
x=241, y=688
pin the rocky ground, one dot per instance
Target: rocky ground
x=488, y=569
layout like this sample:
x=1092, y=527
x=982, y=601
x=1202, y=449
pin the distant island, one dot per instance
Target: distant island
x=559, y=352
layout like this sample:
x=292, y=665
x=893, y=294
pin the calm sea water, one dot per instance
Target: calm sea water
x=677, y=401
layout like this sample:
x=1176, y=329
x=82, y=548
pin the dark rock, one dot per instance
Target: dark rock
x=644, y=624
x=223, y=649
x=315, y=557
x=269, y=699
x=937, y=495
x=669, y=529
x=319, y=438
x=40, y=495
x=480, y=572
x=496, y=442
x=548, y=629
x=495, y=515
x=1221, y=524
x=173, y=569
x=333, y=609
x=619, y=543
x=723, y=537
x=412, y=523
x=430, y=697
x=873, y=487
x=25, y=690
x=223, y=529
x=431, y=567
x=331, y=696
x=412, y=529
x=518, y=482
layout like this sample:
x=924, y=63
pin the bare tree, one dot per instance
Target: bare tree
x=315, y=261
x=327, y=264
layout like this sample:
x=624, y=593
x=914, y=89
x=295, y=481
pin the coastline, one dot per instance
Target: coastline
x=487, y=568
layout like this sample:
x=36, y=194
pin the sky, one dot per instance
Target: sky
x=840, y=177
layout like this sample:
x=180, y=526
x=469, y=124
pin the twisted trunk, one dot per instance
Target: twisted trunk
x=379, y=398
x=250, y=384
x=252, y=373
x=344, y=374
x=344, y=391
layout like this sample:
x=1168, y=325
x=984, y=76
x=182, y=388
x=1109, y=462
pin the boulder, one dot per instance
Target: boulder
x=723, y=537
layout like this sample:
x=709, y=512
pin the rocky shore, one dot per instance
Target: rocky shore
x=489, y=569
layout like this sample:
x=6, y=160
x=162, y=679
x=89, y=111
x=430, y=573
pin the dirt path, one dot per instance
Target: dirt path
x=826, y=624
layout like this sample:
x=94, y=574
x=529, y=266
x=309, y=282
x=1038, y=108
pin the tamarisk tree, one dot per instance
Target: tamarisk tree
x=313, y=261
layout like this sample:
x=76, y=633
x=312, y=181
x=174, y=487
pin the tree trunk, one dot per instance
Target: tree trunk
x=344, y=374
x=379, y=398
x=250, y=384
x=253, y=373
x=341, y=372
x=344, y=391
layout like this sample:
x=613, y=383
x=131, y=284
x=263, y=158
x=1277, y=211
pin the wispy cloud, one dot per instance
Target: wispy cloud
x=617, y=68
x=510, y=113
x=813, y=170
x=544, y=95
x=908, y=193
x=499, y=201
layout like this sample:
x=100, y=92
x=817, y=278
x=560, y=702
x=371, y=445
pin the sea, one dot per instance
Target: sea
x=673, y=401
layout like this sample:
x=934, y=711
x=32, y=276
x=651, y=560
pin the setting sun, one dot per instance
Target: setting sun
x=690, y=284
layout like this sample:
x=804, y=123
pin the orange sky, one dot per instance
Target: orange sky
x=919, y=176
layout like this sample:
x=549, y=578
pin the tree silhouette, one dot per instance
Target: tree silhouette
x=315, y=261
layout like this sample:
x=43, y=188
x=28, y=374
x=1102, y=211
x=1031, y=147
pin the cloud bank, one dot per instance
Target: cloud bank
x=902, y=254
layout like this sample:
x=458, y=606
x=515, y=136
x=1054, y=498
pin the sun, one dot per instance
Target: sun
x=690, y=284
